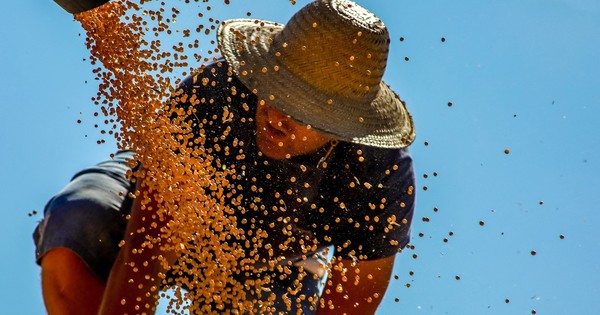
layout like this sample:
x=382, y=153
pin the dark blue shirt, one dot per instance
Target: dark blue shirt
x=362, y=202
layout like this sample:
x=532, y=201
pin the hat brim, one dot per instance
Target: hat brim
x=246, y=45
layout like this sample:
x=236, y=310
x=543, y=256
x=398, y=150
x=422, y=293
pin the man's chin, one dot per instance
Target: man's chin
x=271, y=150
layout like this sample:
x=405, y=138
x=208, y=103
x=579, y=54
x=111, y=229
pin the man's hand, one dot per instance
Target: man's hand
x=356, y=288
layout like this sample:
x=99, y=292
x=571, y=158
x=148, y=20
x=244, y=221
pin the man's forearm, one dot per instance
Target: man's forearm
x=137, y=273
x=133, y=284
x=356, y=288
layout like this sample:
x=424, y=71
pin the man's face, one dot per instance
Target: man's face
x=279, y=137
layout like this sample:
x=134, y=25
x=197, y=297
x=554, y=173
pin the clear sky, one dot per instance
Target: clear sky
x=521, y=75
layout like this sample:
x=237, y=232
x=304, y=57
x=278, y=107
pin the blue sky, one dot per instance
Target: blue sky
x=521, y=75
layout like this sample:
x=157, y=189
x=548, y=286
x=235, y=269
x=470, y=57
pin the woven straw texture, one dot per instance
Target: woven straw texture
x=324, y=69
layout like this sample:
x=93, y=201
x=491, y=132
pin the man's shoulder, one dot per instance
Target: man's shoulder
x=218, y=66
x=216, y=74
x=372, y=159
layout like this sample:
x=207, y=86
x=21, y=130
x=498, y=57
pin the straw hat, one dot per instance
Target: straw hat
x=323, y=68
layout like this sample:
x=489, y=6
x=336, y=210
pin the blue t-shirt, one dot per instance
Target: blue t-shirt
x=362, y=202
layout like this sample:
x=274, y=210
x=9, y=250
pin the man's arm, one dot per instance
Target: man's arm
x=356, y=288
x=134, y=281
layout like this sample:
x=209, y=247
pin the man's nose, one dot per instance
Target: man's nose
x=276, y=118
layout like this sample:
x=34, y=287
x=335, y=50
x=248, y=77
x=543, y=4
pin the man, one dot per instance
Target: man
x=318, y=142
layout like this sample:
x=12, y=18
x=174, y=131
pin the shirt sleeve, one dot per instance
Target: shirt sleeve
x=373, y=200
x=205, y=102
x=200, y=100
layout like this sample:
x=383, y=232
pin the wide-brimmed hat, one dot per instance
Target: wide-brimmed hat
x=324, y=68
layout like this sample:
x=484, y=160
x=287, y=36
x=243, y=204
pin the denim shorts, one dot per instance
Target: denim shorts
x=88, y=216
